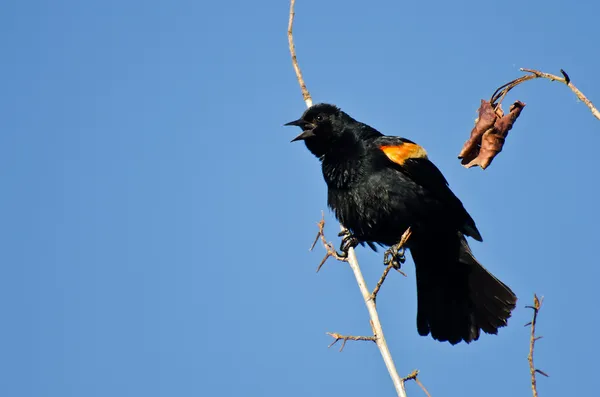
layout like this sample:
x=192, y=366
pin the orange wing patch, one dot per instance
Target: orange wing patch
x=400, y=153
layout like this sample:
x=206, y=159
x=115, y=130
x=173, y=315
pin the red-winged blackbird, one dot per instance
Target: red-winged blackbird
x=380, y=185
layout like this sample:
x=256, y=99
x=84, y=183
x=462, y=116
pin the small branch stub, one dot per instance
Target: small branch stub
x=413, y=376
x=345, y=338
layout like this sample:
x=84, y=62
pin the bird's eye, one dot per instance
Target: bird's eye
x=319, y=118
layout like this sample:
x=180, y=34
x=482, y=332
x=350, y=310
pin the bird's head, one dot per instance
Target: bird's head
x=322, y=125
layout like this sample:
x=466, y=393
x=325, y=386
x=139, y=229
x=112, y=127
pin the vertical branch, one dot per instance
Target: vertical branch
x=537, y=304
x=376, y=324
x=305, y=93
x=379, y=337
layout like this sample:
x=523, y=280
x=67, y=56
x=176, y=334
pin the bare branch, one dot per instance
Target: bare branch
x=422, y=387
x=346, y=338
x=377, y=337
x=566, y=80
x=380, y=282
x=305, y=93
x=376, y=324
x=501, y=92
x=537, y=304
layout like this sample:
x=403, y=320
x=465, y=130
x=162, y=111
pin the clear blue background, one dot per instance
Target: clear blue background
x=155, y=220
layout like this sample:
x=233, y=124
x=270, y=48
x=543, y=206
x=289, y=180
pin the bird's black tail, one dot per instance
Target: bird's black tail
x=457, y=296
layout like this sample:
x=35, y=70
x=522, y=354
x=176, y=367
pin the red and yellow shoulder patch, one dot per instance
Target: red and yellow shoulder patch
x=400, y=153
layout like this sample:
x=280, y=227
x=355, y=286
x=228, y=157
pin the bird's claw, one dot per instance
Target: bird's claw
x=348, y=241
x=394, y=256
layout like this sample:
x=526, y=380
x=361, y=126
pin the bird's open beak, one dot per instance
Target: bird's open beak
x=297, y=123
x=307, y=129
x=304, y=135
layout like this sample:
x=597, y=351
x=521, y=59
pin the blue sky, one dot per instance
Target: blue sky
x=155, y=219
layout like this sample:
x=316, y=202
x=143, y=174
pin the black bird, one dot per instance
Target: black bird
x=378, y=186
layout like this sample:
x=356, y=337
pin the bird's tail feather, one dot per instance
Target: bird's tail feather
x=457, y=296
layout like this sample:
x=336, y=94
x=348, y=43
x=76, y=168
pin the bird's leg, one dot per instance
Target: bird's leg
x=348, y=241
x=395, y=256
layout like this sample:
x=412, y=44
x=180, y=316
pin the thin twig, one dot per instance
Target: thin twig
x=389, y=267
x=500, y=93
x=566, y=80
x=352, y=261
x=380, y=282
x=305, y=93
x=503, y=90
x=346, y=338
x=331, y=252
x=537, y=304
x=413, y=376
x=422, y=387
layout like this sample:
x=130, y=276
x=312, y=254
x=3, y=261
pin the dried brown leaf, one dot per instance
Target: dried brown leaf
x=492, y=140
x=505, y=123
x=485, y=121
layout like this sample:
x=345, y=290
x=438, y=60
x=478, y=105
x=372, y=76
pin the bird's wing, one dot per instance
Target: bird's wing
x=411, y=159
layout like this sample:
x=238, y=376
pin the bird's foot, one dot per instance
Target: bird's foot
x=394, y=256
x=348, y=241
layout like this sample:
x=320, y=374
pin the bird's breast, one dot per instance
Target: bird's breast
x=341, y=175
x=378, y=207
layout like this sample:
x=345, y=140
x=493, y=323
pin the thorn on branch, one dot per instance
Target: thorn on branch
x=331, y=252
x=566, y=76
x=539, y=371
x=345, y=338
